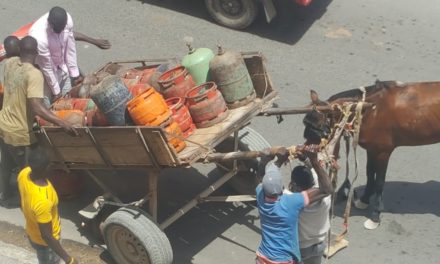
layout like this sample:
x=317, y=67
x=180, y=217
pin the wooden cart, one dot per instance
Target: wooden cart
x=133, y=235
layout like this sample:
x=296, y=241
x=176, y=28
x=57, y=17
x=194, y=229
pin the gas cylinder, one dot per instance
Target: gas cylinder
x=174, y=133
x=148, y=108
x=175, y=82
x=138, y=88
x=146, y=75
x=230, y=73
x=83, y=104
x=73, y=117
x=67, y=184
x=181, y=115
x=197, y=63
x=206, y=105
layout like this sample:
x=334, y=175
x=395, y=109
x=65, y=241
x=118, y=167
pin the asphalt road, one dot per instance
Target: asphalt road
x=330, y=46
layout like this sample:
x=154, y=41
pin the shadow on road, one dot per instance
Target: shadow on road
x=188, y=235
x=404, y=198
x=288, y=27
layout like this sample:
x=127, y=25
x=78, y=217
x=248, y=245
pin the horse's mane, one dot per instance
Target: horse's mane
x=356, y=94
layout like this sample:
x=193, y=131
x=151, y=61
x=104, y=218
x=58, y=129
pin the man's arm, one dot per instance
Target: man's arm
x=40, y=109
x=46, y=67
x=54, y=244
x=100, y=43
x=325, y=186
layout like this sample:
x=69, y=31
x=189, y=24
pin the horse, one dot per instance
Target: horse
x=404, y=114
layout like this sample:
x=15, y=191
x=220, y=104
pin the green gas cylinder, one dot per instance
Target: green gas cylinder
x=197, y=63
x=229, y=72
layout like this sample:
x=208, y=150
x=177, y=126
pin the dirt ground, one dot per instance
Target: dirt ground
x=16, y=235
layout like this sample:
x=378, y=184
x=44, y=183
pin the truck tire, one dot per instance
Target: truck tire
x=237, y=14
x=245, y=180
x=131, y=237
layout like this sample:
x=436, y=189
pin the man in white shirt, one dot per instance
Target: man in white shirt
x=314, y=221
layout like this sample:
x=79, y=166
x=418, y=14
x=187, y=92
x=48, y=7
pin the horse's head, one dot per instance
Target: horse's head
x=317, y=123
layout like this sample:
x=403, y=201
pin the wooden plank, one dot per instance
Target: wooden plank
x=156, y=141
x=122, y=147
x=80, y=149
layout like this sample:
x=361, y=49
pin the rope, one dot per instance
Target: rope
x=357, y=120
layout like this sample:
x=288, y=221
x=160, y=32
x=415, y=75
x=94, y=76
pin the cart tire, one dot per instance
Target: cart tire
x=245, y=180
x=237, y=14
x=132, y=237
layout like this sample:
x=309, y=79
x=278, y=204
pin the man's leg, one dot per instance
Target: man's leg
x=47, y=95
x=6, y=165
x=313, y=254
x=64, y=81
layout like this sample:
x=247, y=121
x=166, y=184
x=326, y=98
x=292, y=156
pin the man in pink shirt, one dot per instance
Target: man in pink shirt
x=57, y=52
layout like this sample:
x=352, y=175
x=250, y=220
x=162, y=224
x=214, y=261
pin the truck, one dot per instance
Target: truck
x=239, y=14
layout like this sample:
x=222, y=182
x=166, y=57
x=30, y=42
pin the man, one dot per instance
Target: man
x=279, y=212
x=11, y=45
x=57, y=52
x=314, y=222
x=39, y=204
x=12, y=49
x=23, y=99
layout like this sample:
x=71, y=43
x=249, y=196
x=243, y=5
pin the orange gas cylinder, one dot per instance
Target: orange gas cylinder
x=133, y=74
x=73, y=117
x=146, y=75
x=173, y=132
x=68, y=185
x=138, y=88
x=176, y=82
x=206, y=105
x=83, y=104
x=148, y=108
x=181, y=115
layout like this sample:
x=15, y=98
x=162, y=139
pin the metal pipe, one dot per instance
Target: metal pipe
x=239, y=155
x=194, y=202
x=304, y=110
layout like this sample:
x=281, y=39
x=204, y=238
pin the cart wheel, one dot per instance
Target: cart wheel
x=131, y=237
x=249, y=139
x=237, y=14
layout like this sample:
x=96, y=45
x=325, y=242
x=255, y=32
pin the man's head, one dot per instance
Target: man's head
x=38, y=161
x=12, y=46
x=57, y=19
x=301, y=179
x=272, y=181
x=28, y=49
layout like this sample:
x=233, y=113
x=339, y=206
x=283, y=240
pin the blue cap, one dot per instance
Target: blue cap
x=272, y=181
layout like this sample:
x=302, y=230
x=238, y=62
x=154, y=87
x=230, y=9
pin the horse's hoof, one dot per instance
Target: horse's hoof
x=370, y=224
x=360, y=205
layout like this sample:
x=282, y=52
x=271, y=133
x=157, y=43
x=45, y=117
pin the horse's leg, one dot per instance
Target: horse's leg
x=364, y=201
x=381, y=165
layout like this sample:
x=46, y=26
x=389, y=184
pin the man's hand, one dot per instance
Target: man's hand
x=56, y=97
x=69, y=129
x=77, y=80
x=282, y=155
x=102, y=43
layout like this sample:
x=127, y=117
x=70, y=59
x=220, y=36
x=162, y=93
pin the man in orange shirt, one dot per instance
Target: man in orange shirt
x=39, y=203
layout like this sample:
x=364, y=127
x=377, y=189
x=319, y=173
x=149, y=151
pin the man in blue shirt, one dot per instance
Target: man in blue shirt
x=279, y=212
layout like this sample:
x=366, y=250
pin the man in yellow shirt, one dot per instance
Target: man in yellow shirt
x=23, y=99
x=39, y=203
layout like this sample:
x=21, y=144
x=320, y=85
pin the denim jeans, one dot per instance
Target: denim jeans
x=313, y=254
x=65, y=86
x=45, y=254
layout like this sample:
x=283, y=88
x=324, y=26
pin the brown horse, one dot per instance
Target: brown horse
x=404, y=114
